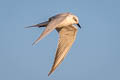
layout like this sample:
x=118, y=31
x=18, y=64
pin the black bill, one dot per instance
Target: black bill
x=79, y=25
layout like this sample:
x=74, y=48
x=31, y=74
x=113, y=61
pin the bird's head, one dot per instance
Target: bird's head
x=76, y=21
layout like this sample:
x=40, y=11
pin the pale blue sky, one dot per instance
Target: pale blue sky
x=95, y=55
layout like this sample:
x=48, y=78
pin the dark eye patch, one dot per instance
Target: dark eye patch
x=75, y=19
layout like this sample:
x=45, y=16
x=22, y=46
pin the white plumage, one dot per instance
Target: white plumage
x=64, y=24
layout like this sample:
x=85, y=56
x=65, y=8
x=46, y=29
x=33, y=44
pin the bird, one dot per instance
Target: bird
x=64, y=24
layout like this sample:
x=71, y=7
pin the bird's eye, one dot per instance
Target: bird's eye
x=75, y=19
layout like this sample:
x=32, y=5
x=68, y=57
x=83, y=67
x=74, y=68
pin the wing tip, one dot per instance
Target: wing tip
x=30, y=26
x=33, y=44
x=50, y=72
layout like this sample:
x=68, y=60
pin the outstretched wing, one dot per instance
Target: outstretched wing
x=54, y=22
x=67, y=36
x=43, y=24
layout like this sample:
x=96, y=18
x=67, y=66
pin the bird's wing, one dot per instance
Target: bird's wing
x=54, y=22
x=67, y=36
x=43, y=24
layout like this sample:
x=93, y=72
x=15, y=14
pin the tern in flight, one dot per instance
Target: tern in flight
x=64, y=25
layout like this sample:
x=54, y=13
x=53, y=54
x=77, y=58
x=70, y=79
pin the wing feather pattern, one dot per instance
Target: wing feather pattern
x=67, y=36
x=54, y=22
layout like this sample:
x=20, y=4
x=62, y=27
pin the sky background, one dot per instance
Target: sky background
x=95, y=55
